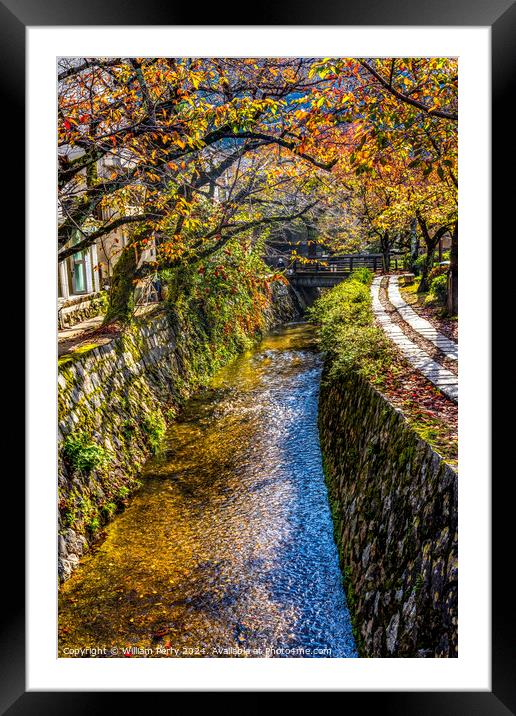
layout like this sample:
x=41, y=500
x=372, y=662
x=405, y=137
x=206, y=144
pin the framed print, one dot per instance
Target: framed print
x=243, y=474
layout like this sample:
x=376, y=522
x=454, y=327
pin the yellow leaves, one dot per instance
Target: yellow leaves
x=346, y=117
x=347, y=98
x=195, y=79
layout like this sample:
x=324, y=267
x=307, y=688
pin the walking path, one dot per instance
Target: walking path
x=419, y=324
x=441, y=377
x=71, y=338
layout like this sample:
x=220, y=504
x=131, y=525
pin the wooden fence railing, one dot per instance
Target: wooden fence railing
x=346, y=263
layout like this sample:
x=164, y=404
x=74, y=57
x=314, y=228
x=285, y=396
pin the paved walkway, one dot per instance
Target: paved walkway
x=67, y=334
x=441, y=377
x=419, y=324
x=83, y=332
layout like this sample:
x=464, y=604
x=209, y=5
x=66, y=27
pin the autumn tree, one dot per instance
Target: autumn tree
x=396, y=112
x=188, y=154
x=171, y=130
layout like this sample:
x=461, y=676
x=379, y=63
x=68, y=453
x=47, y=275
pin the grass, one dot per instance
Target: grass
x=426, y=300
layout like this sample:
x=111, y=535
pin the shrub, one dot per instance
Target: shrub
x=361, y=348
x=363, y=275
x=437, y=271
x=419, y=263
x=93, y=525
x=123, y=493
x=155, y=427
x=349, y=302
x=82, y=454
x=347, y=330
x=109, y=509
x=439, y=288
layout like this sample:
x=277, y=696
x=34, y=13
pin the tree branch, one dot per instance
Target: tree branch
x=453, y=116
x=106, y=229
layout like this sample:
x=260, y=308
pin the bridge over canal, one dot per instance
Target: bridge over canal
x=332, y=270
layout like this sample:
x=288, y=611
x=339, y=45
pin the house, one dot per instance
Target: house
x=84, y=278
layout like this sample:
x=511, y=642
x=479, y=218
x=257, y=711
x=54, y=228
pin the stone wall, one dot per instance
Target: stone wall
x=116, y=398
x=394, y=502
x=79, y=308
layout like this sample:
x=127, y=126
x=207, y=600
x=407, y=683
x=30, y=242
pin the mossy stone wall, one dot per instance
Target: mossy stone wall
x=110, y=395
x=394, y=502
x=80, y=308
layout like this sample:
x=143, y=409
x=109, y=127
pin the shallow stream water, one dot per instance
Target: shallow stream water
x=228, y=548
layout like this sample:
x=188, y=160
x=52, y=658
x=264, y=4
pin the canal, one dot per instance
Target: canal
x=227, y=549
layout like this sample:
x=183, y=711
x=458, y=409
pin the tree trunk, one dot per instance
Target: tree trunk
x=414, y=247
x=427, y=267
x=386, y=252
x=121, y=299
x=431, y=243
x=452, y=299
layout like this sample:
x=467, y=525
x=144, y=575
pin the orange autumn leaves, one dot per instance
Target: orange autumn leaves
x=204, y=147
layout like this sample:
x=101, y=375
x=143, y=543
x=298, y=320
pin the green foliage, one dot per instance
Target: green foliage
x=224, y=298
x=155, y=428
x=109, y=509
x=82, y=454
x=406, y=261
x=439, y=288
x=363, y=275
x=347, y=330
x=93, y=525
x=127, y=429
x=437, y=271
x=419, y=263
x=122, y=493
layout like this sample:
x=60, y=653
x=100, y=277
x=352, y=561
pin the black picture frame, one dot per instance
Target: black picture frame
x=500, y=15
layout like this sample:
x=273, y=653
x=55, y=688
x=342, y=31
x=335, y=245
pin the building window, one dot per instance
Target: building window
x=79, y=273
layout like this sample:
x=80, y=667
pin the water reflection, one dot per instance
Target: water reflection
x=228, y=546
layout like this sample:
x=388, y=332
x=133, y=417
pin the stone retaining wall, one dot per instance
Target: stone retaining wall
x=79, y=308
x=394, y=502
x=116, y=396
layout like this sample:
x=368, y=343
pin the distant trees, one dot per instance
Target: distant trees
x=398, y=146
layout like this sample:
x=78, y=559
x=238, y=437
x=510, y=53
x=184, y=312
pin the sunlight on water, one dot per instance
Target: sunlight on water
x=229, y=544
